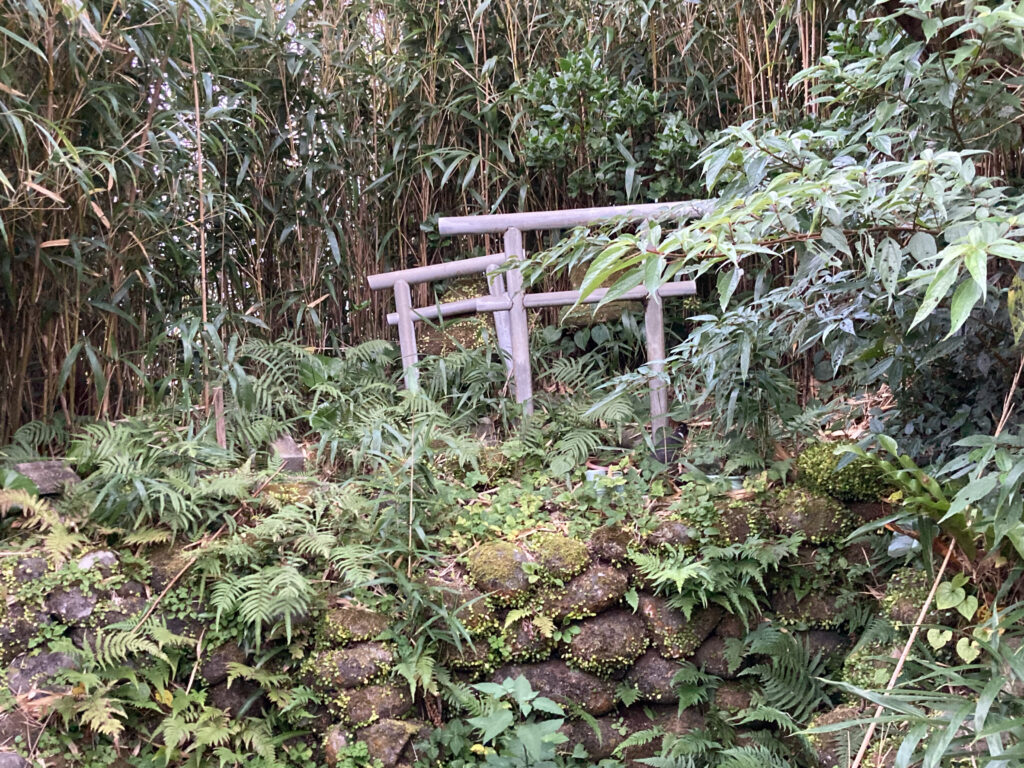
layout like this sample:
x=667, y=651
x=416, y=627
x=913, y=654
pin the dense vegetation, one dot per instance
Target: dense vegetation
x=191, y=197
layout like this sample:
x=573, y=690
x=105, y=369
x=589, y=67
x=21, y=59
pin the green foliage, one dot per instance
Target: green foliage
x=818, y=470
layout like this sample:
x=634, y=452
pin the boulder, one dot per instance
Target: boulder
x=390, y=741
x=497, y=569
x=214, y=669
x=731, y=626
x=817, y=609
x=652, y=676
x=565, y=685
x=610, y=542
x=71, y=605
x=352, y=666
x=467, y=604
x=608, y=642
x=831, y=645
x=711, y=657
x=475, y=657
x=594, y=590
x=13, y=760
x=672, y=634
x=362, y=706
x=27, y=673
x=351, y=624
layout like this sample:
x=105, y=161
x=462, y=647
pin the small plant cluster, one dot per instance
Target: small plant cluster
x=818, y=469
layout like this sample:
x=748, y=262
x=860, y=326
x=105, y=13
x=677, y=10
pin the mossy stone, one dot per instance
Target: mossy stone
x=564, y=685
x=389, y=740
x=561, y=557
x=349, y=624
x=817, y=609
x=608, y=642
x=595, y=590
x=713, y=659
x=652, y=676
x=610, y=542
x=859, y=480
x=352, y=666
x=732, y=696
x=497, y=569
x=819, y=518
x=905, y=593
x=525, y=642
x=675, y=636
x=363, y=706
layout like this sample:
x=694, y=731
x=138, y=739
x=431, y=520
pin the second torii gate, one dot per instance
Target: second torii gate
x=508, y=301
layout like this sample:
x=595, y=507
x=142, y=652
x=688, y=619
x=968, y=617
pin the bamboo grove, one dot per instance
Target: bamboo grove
x=175, y=177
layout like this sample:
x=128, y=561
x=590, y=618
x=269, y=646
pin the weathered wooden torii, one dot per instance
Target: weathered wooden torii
x=508, y=301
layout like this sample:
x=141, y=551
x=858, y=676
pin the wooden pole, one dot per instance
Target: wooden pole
x=654, y=330
x=502, y=320
x=518, y=324
x=406, y=334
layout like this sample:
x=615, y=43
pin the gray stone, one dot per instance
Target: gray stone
x=30, y=569
x=19, y=625
x=347, y=624
x=27, y=673
x=105, y=560
x=71, y=605
x=12, y=760
x=671, y=532
x=50, y=476
x=564, y=685
x=652, y=676
x=286, y=451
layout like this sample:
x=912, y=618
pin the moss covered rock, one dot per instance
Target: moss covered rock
x=905, y=593
x=560, y=557
x=390, y=741
x=363, y=706
x=565, y=685
x=351, y=667
x=859, y=480
x=351, y=624
x=819, y=518
x=652, y=677
x=818, y=609
x=672, y=634
x=610, y=542
x=524, y=641
x=467, y=604
x=497, y=569
x=608, y=642
x=671, y=533
x=599, y=737
x=594, y=590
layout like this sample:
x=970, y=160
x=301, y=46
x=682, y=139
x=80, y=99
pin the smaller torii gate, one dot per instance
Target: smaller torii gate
x=508, y=301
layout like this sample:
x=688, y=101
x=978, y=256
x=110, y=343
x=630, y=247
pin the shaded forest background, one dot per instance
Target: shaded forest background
x=177, y=177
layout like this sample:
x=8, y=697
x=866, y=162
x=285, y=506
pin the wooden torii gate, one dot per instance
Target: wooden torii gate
x=508, y=301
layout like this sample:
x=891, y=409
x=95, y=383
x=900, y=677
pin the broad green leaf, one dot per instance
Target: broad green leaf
x=965, y=298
